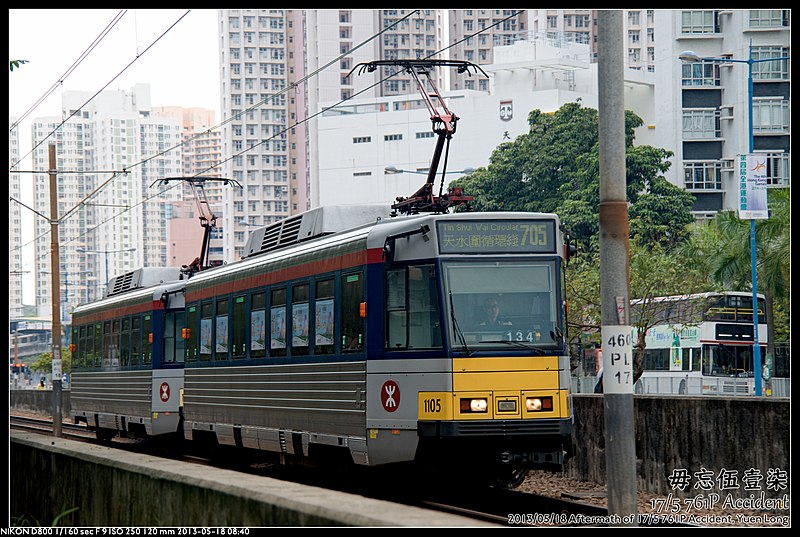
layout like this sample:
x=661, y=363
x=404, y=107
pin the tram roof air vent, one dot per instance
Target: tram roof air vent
x=141, y=278
x=311, y=224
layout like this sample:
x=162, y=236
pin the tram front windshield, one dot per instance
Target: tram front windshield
x=502, y=304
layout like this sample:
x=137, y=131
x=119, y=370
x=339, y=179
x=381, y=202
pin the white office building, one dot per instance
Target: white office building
x=701, y=107
x=360, y=140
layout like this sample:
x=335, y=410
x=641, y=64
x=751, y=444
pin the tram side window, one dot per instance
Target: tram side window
x=97, y=356
x=258, y=325
x=125, y=343
x=413, y=308
x=238, y=327
x=300, y=320
x=221, y=330
x=352, y=322
x=106, y=356
x=324, y=317
x=191, y=333
x=76, y=342
x=115, y=325
x=136, y=340
x=147, y=340
x=277, y=314
x=206, y=314
x=79, y=359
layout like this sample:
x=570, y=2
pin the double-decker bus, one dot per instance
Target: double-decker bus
x=700, y=343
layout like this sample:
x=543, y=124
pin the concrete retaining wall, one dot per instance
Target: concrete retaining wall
x=695, y=434
x=92, y=485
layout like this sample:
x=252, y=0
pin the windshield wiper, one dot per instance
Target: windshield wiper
x=456, y=328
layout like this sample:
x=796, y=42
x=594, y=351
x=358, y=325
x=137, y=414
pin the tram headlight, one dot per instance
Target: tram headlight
x=539, y=404
x=474, y=405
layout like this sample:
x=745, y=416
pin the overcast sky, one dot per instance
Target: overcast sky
x=182, y=67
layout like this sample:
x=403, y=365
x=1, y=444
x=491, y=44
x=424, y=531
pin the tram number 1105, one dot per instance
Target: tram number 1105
x=432, y=405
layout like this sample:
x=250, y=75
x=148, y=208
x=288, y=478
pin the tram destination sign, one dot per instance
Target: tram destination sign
x=496, y=236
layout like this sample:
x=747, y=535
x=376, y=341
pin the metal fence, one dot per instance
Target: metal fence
x=674, y=385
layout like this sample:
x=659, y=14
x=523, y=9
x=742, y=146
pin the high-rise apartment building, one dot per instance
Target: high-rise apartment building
x=115, y=147
x=255, y=96
x=15, y=269
x=201, y=154
x=702, y=106
x=277, y=67
x=495, y=27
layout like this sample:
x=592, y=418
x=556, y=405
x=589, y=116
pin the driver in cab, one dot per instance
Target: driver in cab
x=491, y=318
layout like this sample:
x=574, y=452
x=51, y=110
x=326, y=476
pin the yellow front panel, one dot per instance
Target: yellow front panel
x=518, y=363
x=505, y=380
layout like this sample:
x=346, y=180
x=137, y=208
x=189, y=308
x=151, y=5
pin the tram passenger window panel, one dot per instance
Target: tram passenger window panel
x=686, y=358
x=258, y=325
x=300, y=320
x=106, y=356
x=76, y=340
x=278, y=324
x=191, y=333
x=147, y=340
x=125, y=343
x=136, y=340
x=221, y=341
x=324, y=317
x=97, y=359
x=352, y=322
x=79, y=359
x=239, y=327
x=206, y=314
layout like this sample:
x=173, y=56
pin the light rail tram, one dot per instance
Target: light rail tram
x=344, y=329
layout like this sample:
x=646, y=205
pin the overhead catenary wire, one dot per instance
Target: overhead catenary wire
x=71, y=68
x=80, y=108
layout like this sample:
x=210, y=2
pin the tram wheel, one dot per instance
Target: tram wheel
x=511, y=476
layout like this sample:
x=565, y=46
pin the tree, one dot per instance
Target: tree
x=16, y=63
x=44, y=362
x=655, y=272
x=555, y=167
x=722, y=249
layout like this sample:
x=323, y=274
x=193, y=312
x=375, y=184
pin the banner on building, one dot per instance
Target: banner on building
x=752, y=171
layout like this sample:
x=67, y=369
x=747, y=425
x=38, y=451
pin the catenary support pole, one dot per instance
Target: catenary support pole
x=55, y=291
x=617, y=344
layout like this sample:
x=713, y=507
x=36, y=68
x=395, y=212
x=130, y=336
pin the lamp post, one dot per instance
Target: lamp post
x=691, y=56
x=105, y=253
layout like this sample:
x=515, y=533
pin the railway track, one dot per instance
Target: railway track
x=501, y=506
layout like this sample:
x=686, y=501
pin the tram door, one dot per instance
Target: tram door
x=168, y=375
